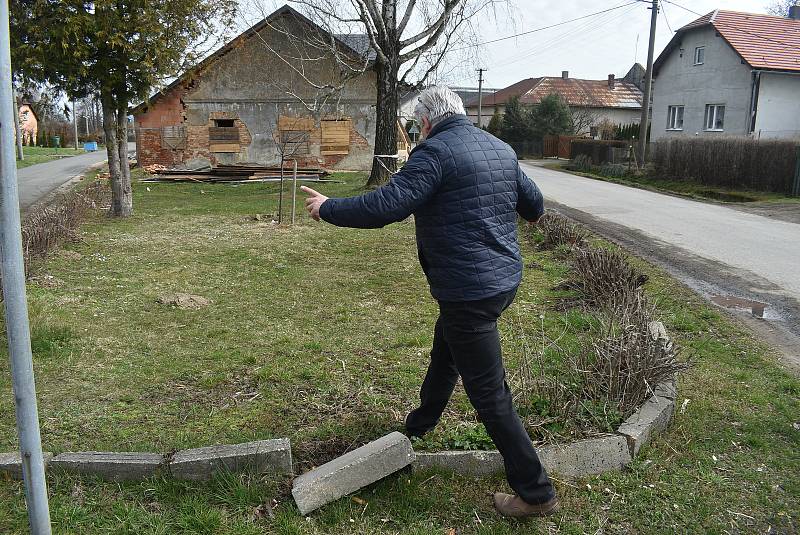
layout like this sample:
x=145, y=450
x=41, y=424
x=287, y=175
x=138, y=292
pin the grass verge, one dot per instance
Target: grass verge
x=321, y=334
x=34, y=155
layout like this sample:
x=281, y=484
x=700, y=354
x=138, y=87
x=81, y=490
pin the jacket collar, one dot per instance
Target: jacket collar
x=450, y=122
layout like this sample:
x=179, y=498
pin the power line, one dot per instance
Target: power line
x=584, y=30
x=664, y=13
x=542, y=28
x=682, y=7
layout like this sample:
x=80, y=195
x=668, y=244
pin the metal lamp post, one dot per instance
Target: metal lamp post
x=15, y=302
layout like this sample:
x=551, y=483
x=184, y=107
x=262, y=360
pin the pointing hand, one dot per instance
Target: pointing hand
x=314, y=201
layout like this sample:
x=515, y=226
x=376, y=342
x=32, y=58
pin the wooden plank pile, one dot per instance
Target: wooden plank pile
x=238, y=173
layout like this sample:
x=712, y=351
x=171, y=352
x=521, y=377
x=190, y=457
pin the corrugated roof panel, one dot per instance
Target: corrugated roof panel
x=576, y=91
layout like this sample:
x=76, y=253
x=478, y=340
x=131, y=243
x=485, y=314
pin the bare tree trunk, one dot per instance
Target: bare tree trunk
x=385, y=126
x=17, y=130
x=112, y=149
x=122, y=143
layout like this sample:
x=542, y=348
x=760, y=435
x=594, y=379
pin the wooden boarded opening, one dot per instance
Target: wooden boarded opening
x=223, y=136
x=335, y=136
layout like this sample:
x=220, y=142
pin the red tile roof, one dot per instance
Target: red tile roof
x=577, y=92
x=763, y=41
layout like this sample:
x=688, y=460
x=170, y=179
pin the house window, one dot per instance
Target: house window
x=699, y=55
x=223, y=123
x=675, y=118
x=715, y=117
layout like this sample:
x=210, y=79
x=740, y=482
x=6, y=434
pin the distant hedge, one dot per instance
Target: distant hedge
x=737, y=163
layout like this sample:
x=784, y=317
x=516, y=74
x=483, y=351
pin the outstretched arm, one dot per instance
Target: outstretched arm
x=410, y=188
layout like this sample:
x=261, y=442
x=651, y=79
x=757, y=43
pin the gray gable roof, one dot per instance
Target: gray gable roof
x=360, y=43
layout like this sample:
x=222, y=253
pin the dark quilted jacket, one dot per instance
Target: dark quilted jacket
x=465, y=188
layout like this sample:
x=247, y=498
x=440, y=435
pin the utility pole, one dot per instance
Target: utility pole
x=12, y=271
x=480, y=96
x=75, y=120
x=648, y=86
x=17, y=130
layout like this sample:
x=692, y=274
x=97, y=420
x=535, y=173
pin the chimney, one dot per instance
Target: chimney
x=611, y=81
x=794, y=12
x=565, y=75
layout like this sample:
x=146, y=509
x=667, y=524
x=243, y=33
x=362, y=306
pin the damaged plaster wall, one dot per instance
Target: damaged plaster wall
x=252, y=86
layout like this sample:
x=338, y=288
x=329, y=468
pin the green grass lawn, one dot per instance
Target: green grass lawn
x=34, y=155
x=685, y=187
x=321, y=334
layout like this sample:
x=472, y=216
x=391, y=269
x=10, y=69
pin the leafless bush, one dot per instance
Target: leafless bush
x=51, y=225
x=605, y=278
x=558, y=230
x=603, y=380
x=733, y=162
x=628, y=359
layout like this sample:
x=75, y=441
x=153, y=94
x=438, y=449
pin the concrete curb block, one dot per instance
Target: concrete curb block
x=263, y=456
x=11, y=463
x=576, y=459
x=352, y=471
x=652, y=418
x=114, y=466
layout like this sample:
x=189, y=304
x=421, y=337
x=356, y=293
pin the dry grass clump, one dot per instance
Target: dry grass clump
x=557, y=230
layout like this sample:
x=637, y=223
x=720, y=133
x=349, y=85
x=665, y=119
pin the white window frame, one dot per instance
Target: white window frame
x=710, y=117
x=673, y=113
x=697, y=51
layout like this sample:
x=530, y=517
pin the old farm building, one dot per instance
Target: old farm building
x=268, y=92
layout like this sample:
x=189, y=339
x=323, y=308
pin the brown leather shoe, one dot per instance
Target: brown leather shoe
x=515, y=507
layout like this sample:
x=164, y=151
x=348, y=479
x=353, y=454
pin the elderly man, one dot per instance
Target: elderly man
x=465, y=189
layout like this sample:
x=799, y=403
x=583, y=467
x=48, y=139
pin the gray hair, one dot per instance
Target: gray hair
x=438, y=103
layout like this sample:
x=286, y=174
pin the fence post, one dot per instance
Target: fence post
x=796, y=187
x=12, y=271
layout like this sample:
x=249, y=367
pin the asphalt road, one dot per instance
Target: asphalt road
x=38, y=181
x=715, y=249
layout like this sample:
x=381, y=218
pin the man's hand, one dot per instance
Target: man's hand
x=314, y=201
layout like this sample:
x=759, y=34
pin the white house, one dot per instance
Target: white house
x=730, y=73
x=615, y=100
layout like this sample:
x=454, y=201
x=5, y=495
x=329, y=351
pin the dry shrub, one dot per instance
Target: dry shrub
x=628, y=359
x=557, y=230
x=603, y=367
x=606, y=378
x=732, y=162
x=48, y=226
x=605, y=278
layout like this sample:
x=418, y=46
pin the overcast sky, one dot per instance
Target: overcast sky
x=590, y=48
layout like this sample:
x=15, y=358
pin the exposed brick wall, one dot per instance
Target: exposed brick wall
x=166, y=111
